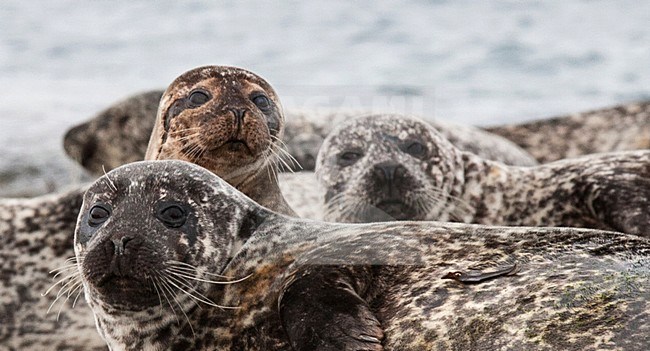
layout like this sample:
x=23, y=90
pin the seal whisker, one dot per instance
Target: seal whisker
x=61, y=281
x=180, y=274
x=62, y=270
x=81, y=290
x=201, y=298
x=175, y=132
x=179, y=304
x=155, y=287
x=110, y=182
x=282, y=148
x=280, y=160
x=186, y=137
x=183, y=265
x=460, y=207
x=76, y=283
x=164, y=287
x=71, y=290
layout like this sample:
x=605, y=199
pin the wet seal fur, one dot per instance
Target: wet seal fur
x=36, y=237
x=160, y=244
x=380, y=167
x=228, y=120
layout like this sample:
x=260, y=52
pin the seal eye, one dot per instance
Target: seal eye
x=349, y=157
x=262, y=102
x=173, y=216
x=198, y=98
x=416, y=149
x=98, y=214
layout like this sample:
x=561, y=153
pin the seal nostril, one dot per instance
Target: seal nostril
x=386, y=171
x=119, y=244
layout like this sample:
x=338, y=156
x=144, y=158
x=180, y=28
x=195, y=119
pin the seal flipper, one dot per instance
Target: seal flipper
x=321, y=310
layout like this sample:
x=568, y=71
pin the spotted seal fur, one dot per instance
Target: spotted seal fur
x=172, y=257
x=618, y=128
x=381, y=165
x=36, y=237
x=104, y=140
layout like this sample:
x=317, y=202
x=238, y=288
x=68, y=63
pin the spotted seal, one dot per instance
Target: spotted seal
x=172, y=257
x=228, y=120
x=618, y=128
x=119, y=135
x=381, y=165
x=36, y=237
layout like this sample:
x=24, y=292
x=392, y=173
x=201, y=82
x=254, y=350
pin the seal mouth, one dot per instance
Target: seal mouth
x=119, y=283
x=235, y=146
x=128, y=292
x=396, y=209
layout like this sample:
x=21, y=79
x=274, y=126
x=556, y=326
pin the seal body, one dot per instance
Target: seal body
x=619, y=128
x=36, y=238
x=229, y=121
x=384, y=167
x=156, y=239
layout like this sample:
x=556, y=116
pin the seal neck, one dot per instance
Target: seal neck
x=263, y=188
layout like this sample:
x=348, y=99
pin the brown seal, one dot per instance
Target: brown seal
x=228, y=120
x=172, y=257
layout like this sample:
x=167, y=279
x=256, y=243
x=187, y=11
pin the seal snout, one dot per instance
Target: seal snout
x=390, y=176
x=122, y=251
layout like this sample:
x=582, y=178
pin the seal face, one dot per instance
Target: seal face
x=229, y=121
x=136, y=252
x=378, y=168
x=309, y=285
x=383, y=167
x=218, y=117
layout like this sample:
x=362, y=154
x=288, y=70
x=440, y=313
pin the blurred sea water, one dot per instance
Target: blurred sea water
x=476, y=62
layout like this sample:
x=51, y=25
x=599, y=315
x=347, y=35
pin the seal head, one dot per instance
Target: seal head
x=128, y=272
x=228, y=120
x=379, y=168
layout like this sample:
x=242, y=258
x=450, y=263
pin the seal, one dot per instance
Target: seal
x=230, y=121
x=119, y=135
x=115, y=136
x=381, y=167
x=619, y=128
x=172, y=257
x=37, y=236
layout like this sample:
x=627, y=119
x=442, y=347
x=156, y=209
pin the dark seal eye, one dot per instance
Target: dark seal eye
x=262, y=102
x=349, y=157
x=173, y=216
x=98, y=214
x=416, y=149
x=198, y=98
